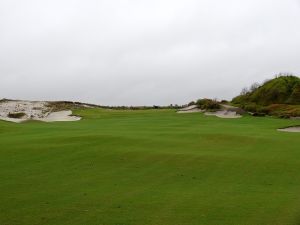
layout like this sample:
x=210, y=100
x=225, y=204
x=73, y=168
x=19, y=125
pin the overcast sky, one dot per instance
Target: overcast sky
x=137, y=52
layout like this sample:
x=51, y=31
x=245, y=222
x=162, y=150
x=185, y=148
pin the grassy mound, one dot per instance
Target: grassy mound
x=281, y=94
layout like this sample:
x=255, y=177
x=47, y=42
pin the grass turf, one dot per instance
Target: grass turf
x=151, y=167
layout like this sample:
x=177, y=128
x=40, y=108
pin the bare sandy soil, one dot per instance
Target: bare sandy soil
x=32, y=110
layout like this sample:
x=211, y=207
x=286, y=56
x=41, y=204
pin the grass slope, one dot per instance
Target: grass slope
x=280, y=90
x=149, y=167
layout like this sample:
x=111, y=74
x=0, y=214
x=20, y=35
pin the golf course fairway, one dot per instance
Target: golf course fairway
x=149, y=167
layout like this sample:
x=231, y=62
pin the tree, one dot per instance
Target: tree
x=244, y=91
x=254, y=86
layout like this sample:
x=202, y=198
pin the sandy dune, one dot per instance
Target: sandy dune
x=32, y=110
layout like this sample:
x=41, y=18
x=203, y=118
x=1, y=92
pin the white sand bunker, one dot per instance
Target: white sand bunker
x=20, y=111
x=290, y=129
x=224, y=114
x=60, y=116
x=190, y=109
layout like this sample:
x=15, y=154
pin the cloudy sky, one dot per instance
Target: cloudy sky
x=137, y=52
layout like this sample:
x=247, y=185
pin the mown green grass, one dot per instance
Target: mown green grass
x=149, y=168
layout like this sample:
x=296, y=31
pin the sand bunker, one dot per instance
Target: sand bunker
x=190, y=109
x=295, y=118
x=227, y=112
x=20, y=111
x=290, y=129
x=224, y=114
x=60, y=116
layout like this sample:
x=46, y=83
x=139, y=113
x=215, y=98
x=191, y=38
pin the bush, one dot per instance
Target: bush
x=224, y=101
x=250, y=107
x=192, y=103
x=295, y=96
x=208, y=104
x=17, y=115
x=259, y=114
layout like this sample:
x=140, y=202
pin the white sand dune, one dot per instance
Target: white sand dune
x=33, y=110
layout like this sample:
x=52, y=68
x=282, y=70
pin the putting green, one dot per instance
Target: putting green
x=151, y=167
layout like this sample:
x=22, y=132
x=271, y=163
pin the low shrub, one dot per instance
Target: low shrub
x=250, y=107
x=208, y=104
x=192, y=103
x=259, y=114
x=284, y=110
x=16, y=115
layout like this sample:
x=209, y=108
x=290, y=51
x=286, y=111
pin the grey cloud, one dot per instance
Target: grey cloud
x=144, y=52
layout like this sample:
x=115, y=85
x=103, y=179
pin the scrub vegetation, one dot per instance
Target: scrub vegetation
x=208, y=104
x=279, y=97
x=17, y=115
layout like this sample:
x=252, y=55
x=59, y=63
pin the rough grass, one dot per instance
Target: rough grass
x=278, y=110
x=56, y=106
x=283, y=110
x=152, y=167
